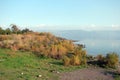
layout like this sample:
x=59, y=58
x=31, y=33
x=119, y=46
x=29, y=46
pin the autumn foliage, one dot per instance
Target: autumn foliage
x=112, y=60
x=44, y=44
x=77, y=57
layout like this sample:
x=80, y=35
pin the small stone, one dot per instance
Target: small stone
x=22, y=73
x=39, y=76
x=52, y=70
x=58, y=72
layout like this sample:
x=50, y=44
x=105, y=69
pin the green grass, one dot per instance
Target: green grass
x=117, y=77
x=26, y=66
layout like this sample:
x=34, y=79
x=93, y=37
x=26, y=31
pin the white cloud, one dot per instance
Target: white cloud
x=99, y=27
x=41, y=25
x=115, y=27
x=90, y=27
x=93, y=25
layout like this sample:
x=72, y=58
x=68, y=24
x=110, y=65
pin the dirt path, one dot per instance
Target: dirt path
x=88, y=74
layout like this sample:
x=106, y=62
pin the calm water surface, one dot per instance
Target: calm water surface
x=97, y=46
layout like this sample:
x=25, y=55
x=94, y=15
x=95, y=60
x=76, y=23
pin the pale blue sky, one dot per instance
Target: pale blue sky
x=61, y=14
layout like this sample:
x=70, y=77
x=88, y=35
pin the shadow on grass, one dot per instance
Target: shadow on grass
x=57, y=63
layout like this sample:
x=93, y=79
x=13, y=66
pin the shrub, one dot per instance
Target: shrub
x=84, y=61
x=100, y=60
x=39, y=43
x=66, y=61
x=100, y=57
x=83, y=57
x=89, y=57
x=77, y=57
x=4, y=37
x=75, y=60
x=112, y=60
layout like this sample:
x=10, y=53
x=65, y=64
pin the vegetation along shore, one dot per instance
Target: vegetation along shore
x=29, y=55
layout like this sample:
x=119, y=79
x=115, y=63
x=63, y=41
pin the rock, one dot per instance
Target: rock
x=58, y=72
x=22, y=73
x=54, y=71
x=39, y=75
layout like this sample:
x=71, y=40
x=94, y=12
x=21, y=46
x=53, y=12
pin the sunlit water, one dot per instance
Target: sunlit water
x=97, y=46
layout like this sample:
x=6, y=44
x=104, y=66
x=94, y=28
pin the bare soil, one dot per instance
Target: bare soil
x=90, y=73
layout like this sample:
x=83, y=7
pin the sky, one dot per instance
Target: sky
x=61, y=14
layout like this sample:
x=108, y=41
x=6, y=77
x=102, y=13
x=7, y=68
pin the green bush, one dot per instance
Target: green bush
x=112, y=60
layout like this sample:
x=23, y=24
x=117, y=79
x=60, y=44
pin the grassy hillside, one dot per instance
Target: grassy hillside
x=17, y=65
x=42, y=44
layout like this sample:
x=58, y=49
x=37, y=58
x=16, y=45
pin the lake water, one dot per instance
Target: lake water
x=97, y=46
x=95, y=42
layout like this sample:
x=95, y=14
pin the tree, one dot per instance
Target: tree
x=8, y=31
x=2, y=31
x=25, y=30
x=1, y=28
x=14, y=28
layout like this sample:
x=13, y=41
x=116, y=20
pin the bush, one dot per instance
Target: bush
x=112, y=60
x=83, y=57
x=4, y=37
x=90, y=57
x=84, y=61
x=66, y=61
x=101, y=59
x=75, y=60
x=77, y=57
